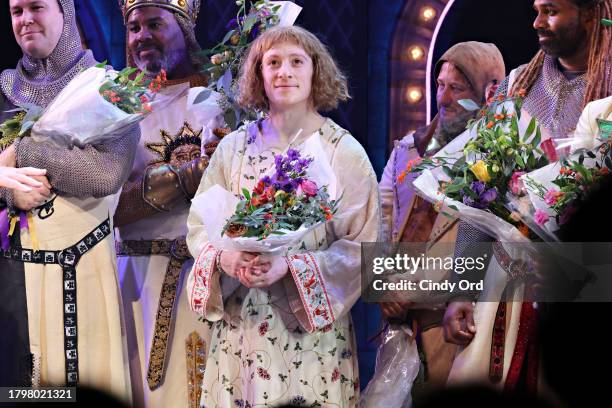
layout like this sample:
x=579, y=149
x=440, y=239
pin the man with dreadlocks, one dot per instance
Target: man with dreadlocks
x=60, y=311
x=166, y=340
x=571, y=69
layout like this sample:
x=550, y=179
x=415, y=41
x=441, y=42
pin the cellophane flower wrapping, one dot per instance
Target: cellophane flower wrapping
x=216, y=205
x=80, y=115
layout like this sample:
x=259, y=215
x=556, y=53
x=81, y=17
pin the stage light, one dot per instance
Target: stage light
x=416, y=53
x=427, y=13
x=414, y=94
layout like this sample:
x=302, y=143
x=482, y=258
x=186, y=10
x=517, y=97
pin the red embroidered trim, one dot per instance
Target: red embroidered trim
x=525, y=344
x=498, y=339
x=311, y=287
x=202, y=270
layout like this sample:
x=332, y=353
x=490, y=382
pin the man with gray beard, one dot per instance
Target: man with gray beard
x=467, y=70
x=166, y=340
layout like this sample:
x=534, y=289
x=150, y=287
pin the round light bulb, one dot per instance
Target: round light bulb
x=428, y=13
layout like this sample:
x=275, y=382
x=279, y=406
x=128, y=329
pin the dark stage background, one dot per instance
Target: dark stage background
x=360, y=34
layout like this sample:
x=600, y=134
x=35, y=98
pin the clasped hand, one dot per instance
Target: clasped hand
x=30, y=186
x=252, y=269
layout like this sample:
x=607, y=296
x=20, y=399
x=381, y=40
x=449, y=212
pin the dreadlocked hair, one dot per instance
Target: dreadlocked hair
x=599, y=77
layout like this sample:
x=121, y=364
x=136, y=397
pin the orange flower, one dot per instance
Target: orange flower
x=522, y=93
x=499, y=117
x=490, y=125
x=147, y=107
x=604, y=170
x=412, y=163
x=328, y=216
x=401, y=177
x=523, y=229
x=144, y=99
x=500, y=97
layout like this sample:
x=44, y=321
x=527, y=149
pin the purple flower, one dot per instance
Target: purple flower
x=289, y=171
x=293, y=154
x=484, y=196
x=254, y=32
x=233, y=23
x=298, y=400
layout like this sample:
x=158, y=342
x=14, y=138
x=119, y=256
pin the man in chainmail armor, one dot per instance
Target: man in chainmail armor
x=167, y=341
x=571, y=69
x=60, y=312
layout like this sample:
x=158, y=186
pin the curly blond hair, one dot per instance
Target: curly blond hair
x=329, y=84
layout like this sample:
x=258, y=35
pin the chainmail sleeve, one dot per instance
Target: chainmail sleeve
x=6, y=194
x=471, y=242
x=502, y=89
x=94, y=171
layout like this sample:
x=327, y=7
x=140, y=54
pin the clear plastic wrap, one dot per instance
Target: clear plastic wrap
x=397, y=366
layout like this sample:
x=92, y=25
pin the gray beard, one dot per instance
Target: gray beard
x=167, y=62
x=448, y=129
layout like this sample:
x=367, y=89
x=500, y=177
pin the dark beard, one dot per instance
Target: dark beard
x=566, y=41
x=448, y=129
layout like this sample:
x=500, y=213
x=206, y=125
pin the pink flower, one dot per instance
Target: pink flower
x=516, y=185
x=309, y=188
x=335, y=375
x=540, y=217
x=552, y=196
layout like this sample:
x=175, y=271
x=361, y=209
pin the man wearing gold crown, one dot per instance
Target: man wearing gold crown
x=166, y=341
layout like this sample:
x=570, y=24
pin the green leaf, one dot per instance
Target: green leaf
x=453, y=188
x=530, y=129
x=228, y=36
x=202, y=96
x=538, y=137
x=249, y=23
x=448, y=171
x=230, y=118
x=468, y=105
x=246, y=194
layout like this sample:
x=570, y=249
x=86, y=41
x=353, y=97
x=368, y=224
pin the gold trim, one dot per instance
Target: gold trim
x=195, y=349
x=163, y=320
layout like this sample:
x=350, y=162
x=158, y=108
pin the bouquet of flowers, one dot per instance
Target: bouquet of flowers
x=557, y=190
x=98, y=105
x=226, y=57
x=283, y=203
x=297, y=196
x=477, y=178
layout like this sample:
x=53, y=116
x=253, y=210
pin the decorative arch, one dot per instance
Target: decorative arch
x=426, y=29
x=411, y=62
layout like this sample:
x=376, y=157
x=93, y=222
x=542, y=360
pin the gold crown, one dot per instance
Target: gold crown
x=186, y=8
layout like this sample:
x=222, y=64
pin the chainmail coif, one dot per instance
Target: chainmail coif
x=554, y=100
x=38, y=81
